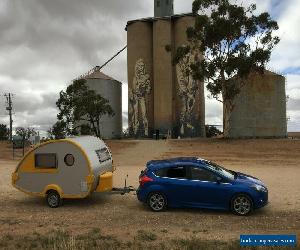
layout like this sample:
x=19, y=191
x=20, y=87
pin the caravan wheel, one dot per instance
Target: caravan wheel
x=53, y=199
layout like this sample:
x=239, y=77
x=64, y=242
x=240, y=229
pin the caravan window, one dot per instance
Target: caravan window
x=103, y=154
x=45, y=161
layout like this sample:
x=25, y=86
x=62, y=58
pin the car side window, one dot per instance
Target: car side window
x=176, y=172
x=202, y=174
x=161, y=172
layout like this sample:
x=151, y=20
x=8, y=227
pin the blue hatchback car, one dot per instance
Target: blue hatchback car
x=198, y=183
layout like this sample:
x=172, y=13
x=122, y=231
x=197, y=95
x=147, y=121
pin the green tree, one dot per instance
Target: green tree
x=212, y=131
x=58, y=131
x=78, y=104
x=234, y=42
x=4, y=131
x=85, y=129
x=25, y=132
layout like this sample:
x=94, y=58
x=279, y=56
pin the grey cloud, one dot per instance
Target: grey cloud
x=50, y=32
x=42, y=119
x=35, y=103
x=47, y=43
x=293, y=104
x=125, y=119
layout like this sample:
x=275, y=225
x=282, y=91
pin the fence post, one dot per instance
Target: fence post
x=23, y=144
x=13, y=146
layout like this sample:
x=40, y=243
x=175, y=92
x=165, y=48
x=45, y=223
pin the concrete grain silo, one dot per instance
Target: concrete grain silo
x=110, y=89
x=191, y=116
x=163, y=8
x=163, y=76
x=260, y=108
x=140, y=78
x=160, y=95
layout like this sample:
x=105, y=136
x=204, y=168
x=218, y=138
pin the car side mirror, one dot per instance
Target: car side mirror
x=219, y=179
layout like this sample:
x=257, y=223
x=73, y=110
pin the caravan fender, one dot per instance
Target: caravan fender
x=14, y=177
x=90, y=179
x=54, y=187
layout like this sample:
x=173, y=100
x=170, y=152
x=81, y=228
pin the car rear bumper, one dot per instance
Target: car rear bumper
x=141, y=195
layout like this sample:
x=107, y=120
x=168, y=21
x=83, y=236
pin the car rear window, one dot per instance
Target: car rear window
x=176, y=172
x=161, y=172
x=172, y=172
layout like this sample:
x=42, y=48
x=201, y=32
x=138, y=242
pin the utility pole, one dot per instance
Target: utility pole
x=9, y=109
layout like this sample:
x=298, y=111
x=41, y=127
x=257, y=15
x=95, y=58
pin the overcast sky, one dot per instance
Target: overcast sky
x=44, y=44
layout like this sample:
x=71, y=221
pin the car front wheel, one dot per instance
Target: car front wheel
x=157, y=202
x=241, y=204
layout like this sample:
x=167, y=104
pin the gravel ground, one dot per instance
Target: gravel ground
x=276, y=162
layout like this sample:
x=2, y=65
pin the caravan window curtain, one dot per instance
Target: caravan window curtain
x=45, y=161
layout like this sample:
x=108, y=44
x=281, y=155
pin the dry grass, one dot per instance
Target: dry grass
x=127, y=224
x=143, y=235
x=60, y=240
x=9, y=221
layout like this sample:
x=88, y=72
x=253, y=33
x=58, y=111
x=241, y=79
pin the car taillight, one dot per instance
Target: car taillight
x=144, y=179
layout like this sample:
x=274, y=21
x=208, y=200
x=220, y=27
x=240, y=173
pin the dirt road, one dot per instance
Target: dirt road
x=276, y=162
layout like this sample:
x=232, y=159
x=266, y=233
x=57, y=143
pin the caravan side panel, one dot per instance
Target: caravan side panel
x=71, y=179
x=98, y=154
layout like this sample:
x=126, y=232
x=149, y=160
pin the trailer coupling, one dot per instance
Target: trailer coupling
x=124, y=190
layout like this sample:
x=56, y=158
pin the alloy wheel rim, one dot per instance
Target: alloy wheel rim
x=242, y=205
x=53, y=200
x=157, y=202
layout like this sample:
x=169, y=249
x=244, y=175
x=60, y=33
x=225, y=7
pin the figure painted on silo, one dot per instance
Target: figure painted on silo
x=141, y=88
x=187, y=90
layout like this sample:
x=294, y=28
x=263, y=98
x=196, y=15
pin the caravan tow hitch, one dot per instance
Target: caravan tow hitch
x=124, y=190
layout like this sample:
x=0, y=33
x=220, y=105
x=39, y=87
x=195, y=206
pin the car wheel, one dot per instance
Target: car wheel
x=157, y=202
x=241, y=204
x=53, y=199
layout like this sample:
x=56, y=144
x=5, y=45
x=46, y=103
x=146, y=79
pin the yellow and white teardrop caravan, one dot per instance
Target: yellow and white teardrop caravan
x=68, y=168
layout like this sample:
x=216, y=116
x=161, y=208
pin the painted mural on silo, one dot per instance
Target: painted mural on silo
x=190, y=101
x=138, y=93
x=188, y=90
x=162, y=97
x=140, y=78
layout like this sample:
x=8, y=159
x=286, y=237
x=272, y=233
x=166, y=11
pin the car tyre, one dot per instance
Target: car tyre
x=241, y=204
x=53, y=199
x=157, y=201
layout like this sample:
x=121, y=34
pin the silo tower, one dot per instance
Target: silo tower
x=163, y=8
x=110, y=89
